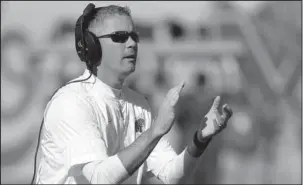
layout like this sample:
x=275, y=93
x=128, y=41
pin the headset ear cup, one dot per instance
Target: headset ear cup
x=78, y=43
x=94, y=51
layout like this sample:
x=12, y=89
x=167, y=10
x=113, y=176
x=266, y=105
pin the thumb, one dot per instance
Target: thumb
x=176, y=89
x=176, y=93
x=227, y=112
x=181, y=86
x=216, y=103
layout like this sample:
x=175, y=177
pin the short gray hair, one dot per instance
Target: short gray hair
x=106, y=11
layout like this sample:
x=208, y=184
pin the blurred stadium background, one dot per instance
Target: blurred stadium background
x=247, y=52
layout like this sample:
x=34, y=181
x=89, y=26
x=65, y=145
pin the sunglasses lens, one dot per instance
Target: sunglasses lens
x=120, y=38
x=135, y=37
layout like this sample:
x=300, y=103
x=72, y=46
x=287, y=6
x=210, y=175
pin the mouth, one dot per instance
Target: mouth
x=131, y=57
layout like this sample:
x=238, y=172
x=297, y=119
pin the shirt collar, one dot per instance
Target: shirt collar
x=101, y=87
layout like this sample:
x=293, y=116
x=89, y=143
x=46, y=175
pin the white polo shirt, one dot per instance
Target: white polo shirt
x=89, y=121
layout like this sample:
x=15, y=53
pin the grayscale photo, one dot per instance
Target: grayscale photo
x=151, y=92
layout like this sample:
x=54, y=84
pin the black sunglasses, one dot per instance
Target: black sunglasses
x=121, y=36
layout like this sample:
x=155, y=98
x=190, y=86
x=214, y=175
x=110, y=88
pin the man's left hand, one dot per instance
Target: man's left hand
x=216, y=122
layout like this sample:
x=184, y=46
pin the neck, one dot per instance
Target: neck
x=110, y=78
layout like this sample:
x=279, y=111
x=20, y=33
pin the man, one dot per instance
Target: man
x=98, y=131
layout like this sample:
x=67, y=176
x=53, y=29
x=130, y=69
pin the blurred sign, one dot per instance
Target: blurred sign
x=218, y=73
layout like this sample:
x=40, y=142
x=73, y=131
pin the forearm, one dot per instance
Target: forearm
x=119, y=167
x=134, y=155
x=198, y=145
x=180, y=169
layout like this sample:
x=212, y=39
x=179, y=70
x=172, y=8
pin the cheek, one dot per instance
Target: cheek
x=112, y=50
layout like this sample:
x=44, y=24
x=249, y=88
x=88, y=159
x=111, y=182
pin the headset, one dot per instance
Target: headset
x=88, y=48
x=87, y=44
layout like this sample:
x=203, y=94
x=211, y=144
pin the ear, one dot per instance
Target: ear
x=94, y=48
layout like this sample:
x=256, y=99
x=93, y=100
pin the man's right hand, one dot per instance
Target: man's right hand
x=166, y=113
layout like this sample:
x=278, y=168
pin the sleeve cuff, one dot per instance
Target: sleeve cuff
x=75, y=164
x=199, y=142
x=110, y=171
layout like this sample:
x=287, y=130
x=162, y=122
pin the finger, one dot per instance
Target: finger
x=176, y=93
x=179, y=88
x=216, y=103
x=227, y=112
x=216, y=125
x=218, y=117
x=219, y=125
x=182, y=85
x=217, y=113
x=176, y=90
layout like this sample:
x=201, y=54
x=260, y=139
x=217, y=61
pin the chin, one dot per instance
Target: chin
x=131, y=70
x=128, y=67
x=128, y=71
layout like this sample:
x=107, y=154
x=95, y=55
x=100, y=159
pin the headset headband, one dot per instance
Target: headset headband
x=86, y=14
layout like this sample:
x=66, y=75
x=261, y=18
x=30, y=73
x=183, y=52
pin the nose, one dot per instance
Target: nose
x=131, y=43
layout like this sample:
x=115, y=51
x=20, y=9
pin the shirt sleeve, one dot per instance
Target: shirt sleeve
x=167, y=165
x=73, y=124
x=162, y=154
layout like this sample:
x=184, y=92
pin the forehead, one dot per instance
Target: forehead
x=114, y=23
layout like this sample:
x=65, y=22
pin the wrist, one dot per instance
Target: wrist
x=196, y=148
x=153, y=134
x=202, y=136
x=200, y=141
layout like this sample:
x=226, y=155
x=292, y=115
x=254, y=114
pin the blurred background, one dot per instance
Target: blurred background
x=247, y=52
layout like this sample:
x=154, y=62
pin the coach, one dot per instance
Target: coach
x=99, y=131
